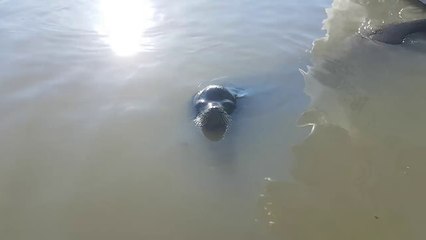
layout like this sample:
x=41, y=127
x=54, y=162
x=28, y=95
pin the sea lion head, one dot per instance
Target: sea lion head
x=214, y=105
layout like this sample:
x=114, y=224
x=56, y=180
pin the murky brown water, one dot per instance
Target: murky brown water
x=360, y=174
x=96, y=132
x=97, y=139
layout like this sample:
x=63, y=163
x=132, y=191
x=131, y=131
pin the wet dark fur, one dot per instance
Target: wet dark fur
x=213, y=107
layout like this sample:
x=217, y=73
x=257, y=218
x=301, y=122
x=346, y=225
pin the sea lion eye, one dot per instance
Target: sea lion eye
x=200, y=104
x=228, y=105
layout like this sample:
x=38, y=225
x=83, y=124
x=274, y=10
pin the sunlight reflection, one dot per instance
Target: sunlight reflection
x=124, y=22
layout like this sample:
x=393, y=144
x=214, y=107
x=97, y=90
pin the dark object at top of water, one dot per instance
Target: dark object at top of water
x=418, y=3
x=396, y=33
x=214, y=106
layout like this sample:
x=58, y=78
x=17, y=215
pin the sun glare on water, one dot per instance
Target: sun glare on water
x=124, y=22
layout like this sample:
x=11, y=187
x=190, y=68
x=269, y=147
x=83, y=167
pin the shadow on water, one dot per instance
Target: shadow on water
x=360, y=173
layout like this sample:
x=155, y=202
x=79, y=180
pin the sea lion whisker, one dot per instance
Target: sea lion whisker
x=214, y=105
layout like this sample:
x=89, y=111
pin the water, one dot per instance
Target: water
x=359, y=175
x=97, y=139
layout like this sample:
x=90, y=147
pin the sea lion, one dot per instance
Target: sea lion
x=396, y=33
x=213, y=106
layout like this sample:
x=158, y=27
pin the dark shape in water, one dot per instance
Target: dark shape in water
x=418, y=3
x=396, y=33
x=214, y=105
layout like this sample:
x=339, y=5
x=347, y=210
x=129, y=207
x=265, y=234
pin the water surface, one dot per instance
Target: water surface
x=97, y=139
x=360, y=173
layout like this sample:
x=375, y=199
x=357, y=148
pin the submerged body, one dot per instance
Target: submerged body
x=214, y=106
x=396, y=33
